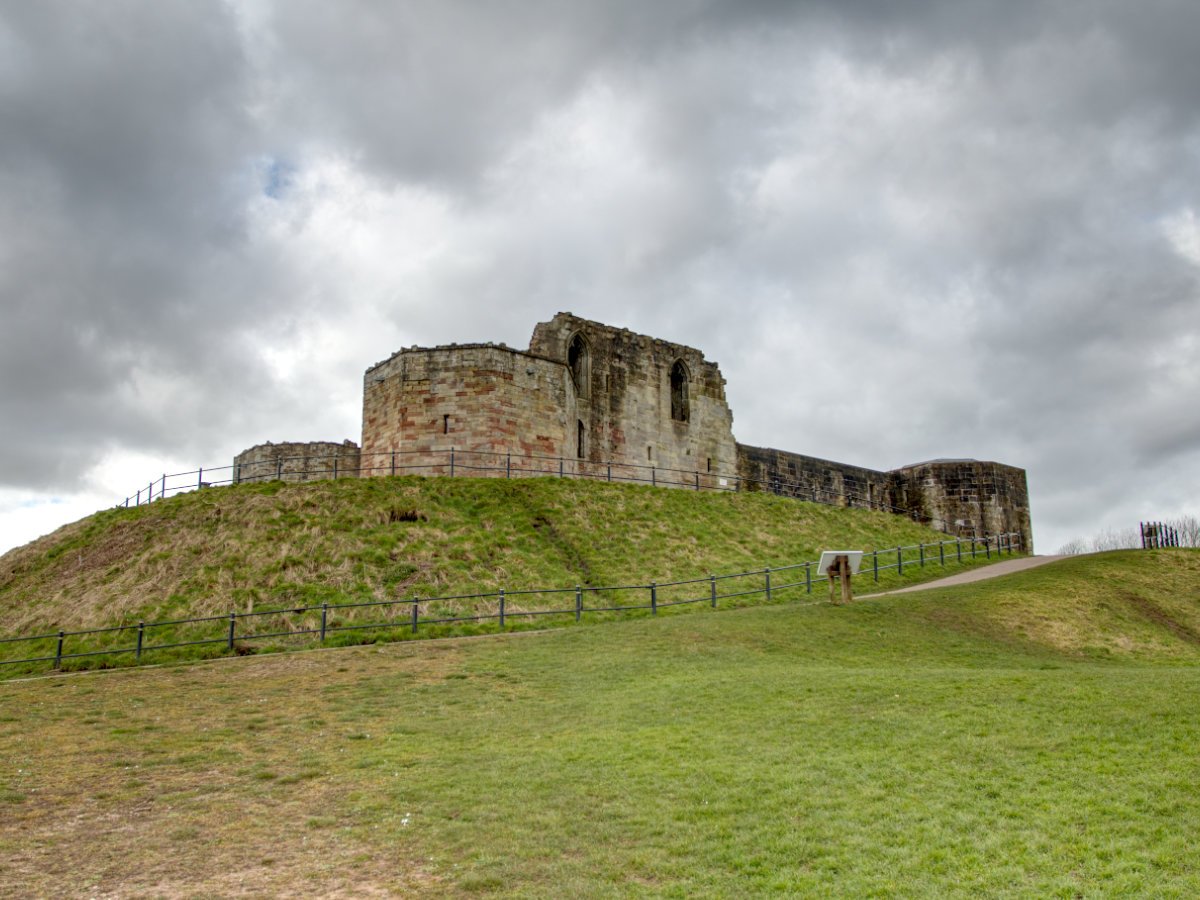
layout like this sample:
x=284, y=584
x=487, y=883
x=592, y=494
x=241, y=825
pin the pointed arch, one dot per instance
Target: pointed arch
x=680, y=411
x=579, y=361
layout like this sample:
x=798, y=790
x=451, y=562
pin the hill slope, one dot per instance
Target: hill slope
x=275, y=545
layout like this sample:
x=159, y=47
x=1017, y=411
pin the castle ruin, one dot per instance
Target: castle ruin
x=604, y=398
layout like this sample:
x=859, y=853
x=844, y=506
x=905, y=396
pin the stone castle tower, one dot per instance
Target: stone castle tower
x=593, y=400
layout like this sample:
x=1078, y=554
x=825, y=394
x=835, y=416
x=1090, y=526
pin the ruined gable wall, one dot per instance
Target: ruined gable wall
x=625, y=402
x=497, y=401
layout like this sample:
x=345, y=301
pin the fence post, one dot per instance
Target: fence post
x=393, y=462
x=232, y=628
x=279, y=469
x=900, y=560
x=163, y=492
x=972, y=545
x=137, y=654
x=324, y=619
x=987, y=544
x=942, y=552
x=138, y=502
x=712, y=590
x=875, y=562
x=808, y=578
x=560, y=467
x=578, y=602
x=922, y=546
x=508, y=464
x=654, y=598
x=767, y=572
x=150, y=492
x=335, y=468
x=415, y=602
x=654, y=476
x=697, y=481
x=451, y=462
x=610, y=471
x=958, y=547
x=58, y=652
x=200, y=478
x=501, y=609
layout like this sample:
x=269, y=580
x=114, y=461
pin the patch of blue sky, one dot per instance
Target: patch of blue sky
x=35, y=502
x=275, y=176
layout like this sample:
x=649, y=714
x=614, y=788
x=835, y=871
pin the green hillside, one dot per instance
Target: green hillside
x=1029, y=737
x=274, y=545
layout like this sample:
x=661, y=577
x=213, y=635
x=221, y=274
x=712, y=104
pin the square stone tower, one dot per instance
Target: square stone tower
x=638, y=400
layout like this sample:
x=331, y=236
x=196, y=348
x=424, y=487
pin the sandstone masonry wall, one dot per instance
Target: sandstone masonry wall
x=623, y=397
x=809, y=478
x=294, y=461
x=963, y=497
x=483, y=400
x=967, y=496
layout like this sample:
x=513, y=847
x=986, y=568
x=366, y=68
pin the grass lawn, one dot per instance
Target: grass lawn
x=1028, y=737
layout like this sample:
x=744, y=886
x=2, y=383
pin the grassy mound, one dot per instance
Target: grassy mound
x=1131, y=604
x=1032, y=736
x=271, y=546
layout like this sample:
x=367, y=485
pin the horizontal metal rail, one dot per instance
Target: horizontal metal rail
x=448, y=461
x=1010, y=541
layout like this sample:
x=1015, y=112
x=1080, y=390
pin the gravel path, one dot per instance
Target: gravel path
x=982, y=574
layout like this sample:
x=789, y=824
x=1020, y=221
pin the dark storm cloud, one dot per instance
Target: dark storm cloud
x=978, y=219
x=126, y=159
x=116, y=138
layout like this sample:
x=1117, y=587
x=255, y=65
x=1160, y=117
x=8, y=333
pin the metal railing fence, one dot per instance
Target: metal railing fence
x=453, y=462
x=228, y=632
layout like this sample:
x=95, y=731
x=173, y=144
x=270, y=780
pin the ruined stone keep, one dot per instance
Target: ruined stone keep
x=599, y=399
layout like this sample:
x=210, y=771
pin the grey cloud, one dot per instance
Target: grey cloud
x=951, y=209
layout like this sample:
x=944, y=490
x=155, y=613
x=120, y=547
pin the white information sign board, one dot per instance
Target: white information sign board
x=828, y=557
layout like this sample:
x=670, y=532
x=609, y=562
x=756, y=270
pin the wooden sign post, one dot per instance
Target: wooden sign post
x=839, y=565
x=840, y=572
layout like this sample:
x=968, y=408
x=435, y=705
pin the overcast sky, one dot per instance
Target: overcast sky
x=904, y=229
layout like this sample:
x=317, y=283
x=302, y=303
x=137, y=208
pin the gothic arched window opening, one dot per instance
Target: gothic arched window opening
x=578, y=362
x=580, y=448
x=679, y=391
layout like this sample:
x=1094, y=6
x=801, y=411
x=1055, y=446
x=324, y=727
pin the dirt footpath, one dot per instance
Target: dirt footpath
x=982, y=574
